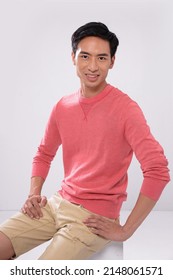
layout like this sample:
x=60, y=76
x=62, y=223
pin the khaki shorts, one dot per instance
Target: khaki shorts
x=61, y=222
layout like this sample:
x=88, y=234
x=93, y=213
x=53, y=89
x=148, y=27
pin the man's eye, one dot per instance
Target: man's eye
x=102, y=58
x=84, y=56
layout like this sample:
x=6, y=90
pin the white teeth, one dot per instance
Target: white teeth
x=92, y=76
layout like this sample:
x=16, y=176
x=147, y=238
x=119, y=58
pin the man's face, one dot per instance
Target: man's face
x=93, y=61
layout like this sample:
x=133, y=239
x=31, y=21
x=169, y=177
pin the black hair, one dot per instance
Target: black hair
x=96, y=29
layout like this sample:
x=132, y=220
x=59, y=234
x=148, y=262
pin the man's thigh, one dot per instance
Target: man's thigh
x=72, y=240
x=73, y=243
x=26, y=233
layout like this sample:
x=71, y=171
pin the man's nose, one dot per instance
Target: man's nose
x=93, y=66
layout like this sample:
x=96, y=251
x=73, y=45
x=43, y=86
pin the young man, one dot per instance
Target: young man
x=99, y=128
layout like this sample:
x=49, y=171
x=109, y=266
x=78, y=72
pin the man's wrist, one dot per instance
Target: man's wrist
x=127, y=231
x=34, y=194
x=34, y=190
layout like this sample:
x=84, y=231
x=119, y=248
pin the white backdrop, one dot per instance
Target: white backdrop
x=36, y=71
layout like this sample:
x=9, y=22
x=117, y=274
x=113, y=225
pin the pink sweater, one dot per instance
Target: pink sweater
x=98, y=137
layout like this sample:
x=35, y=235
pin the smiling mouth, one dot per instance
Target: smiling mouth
x=92, y=77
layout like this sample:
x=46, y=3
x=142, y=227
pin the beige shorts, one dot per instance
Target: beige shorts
x=61, y=222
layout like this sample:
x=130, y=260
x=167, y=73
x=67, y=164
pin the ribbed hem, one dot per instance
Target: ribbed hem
x=107, y=208
x=153, y=188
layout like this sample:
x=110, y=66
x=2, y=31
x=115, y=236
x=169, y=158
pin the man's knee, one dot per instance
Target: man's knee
x=6, y=247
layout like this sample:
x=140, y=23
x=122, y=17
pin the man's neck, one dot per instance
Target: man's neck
x=91, y=92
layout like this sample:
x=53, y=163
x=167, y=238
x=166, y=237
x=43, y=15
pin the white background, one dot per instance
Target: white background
x=36, y=71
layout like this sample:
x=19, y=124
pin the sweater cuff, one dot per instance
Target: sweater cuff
x=153, y=188
x=39, y=170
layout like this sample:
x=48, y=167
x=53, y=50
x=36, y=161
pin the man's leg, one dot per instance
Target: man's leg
x=6, y=247
x=20, y=233
x=72, y=240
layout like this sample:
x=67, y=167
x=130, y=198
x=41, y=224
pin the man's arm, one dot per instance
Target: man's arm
x=34, y=203
x=108, y=229
x=40, y=168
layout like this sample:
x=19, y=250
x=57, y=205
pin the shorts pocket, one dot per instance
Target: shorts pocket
x=84, y=235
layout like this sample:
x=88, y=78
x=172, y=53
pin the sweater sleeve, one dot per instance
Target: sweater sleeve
x=47, y=148
x=148, y=152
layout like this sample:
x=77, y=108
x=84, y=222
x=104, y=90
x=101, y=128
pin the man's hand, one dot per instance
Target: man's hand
x=33, y=205
x=107, y=228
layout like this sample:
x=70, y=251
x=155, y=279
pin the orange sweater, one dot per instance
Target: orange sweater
x=98, y=137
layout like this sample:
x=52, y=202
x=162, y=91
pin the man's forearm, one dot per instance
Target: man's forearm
x=34, y=202
x=36, y=186
x=142, y=208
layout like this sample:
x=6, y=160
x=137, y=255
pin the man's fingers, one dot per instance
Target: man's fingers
x=31, y=210
x=43, y=201
x=28, y=209
x=96, y=222
x=32, y=206
x=105, y=227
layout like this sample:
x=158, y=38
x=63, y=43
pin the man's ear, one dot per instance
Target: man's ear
x=112, y=62
x=73, y=58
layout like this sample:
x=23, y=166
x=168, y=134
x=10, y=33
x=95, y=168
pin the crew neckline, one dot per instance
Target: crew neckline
x=95, y=98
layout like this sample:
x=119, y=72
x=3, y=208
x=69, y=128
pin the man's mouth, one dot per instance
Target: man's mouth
x=92, y=77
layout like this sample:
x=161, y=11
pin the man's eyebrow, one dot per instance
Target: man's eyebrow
x=103, y=54
x=100, y=54
x=83, y=52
